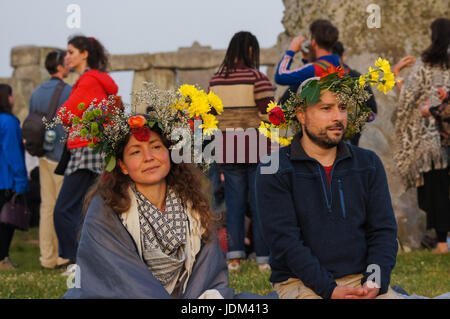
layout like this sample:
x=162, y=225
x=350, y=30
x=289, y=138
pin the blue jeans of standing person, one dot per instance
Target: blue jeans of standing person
x=239, y=189
x=68, y=212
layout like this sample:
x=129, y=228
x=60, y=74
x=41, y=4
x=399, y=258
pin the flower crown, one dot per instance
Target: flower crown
x=350, y=91
x=107, y=124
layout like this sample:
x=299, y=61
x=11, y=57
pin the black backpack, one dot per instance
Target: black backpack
x=33, y=128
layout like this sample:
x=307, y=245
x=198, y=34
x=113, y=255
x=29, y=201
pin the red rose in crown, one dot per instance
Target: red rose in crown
x=276, y=116
x=142, y=134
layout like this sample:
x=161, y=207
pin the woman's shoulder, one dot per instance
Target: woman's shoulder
x=9, y=120
x=100, y=79
x=97, y=209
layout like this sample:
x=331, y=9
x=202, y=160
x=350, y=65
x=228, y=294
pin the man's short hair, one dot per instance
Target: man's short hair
x=53, y=59
x=338, y=48
x=325, y=33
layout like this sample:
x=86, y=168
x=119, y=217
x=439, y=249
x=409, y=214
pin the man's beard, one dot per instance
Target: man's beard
x=322, y=139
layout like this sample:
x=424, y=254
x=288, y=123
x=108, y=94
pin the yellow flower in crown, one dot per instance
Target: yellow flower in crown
x=188, y=90
x=199, y=104
x=387, y=83
x=265, y=129
x=362, y=81
x=271, y=105
x=215, y=102
x=373, y=75
x=383, y=64
x=209, y=124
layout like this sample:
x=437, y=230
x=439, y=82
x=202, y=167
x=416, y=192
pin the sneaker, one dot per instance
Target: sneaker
x=71, y=269
x=6, y=264
x=234, y=265
x=264, y=267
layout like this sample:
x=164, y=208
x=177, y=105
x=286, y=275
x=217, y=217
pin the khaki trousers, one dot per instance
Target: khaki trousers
x=294, y=288
x=50, y=185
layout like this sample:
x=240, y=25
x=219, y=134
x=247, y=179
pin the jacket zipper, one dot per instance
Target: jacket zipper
x=329, y=204
x=341, y=193
x=341, y=196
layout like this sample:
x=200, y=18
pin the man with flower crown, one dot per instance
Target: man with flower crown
x=326, y=213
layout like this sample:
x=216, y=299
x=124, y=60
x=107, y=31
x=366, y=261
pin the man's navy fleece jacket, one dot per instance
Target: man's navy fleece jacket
x=318, y=231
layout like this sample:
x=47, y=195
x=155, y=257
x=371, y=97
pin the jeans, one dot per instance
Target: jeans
x=240, y=188
x=68, y=213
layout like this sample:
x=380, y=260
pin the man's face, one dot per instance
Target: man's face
x=324, y=122
x=64, y=69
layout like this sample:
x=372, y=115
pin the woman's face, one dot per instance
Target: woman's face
x=147, y=163
x=75, y=58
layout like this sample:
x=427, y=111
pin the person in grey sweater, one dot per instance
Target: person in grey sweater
x=50, y=183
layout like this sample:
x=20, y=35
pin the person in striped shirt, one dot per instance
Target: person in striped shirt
x=245, y=93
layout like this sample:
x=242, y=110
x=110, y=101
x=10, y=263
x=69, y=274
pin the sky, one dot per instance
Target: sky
x=135, y=26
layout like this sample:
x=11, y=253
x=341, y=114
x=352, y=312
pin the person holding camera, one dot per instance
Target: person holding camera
x=317, y=53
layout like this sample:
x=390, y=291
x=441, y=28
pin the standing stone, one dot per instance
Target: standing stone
x=164, y=79
x=196, y=77
x=25, y=55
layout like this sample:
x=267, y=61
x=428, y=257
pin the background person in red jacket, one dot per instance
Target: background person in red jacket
x=88, y=58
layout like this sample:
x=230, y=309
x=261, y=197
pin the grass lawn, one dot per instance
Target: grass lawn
x=419, y=272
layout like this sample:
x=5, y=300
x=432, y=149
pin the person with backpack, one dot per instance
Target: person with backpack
x=87, y=56
x=318, y=59
x=13, y=172
x=46, y=98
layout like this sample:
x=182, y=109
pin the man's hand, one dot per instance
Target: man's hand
x=344, y=292
x=370, y=291
x=296, y=44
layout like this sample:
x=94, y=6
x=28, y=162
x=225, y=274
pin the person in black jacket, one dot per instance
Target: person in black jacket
x=326, y=213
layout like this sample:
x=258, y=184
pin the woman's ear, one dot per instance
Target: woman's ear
x=84, y=54
x=123, y=167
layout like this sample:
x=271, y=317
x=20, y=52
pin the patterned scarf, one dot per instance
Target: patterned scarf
x=163, y=237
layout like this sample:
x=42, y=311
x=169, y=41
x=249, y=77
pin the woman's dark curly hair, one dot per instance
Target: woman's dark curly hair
x=185, y=179
x=97, y=56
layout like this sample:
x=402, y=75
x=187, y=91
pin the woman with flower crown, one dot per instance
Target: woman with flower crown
x=148, y=230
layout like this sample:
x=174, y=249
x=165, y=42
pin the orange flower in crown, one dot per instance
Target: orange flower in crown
x=136, y=121
x=332, y=69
